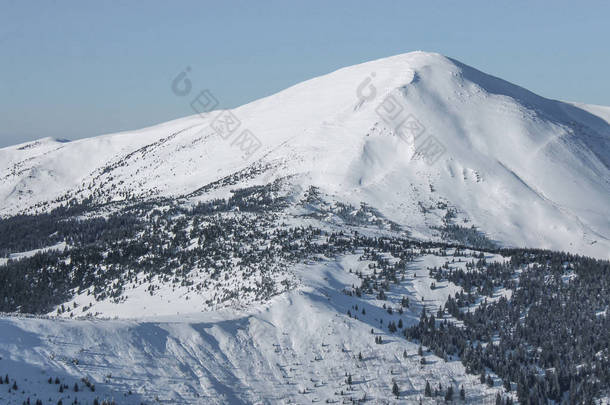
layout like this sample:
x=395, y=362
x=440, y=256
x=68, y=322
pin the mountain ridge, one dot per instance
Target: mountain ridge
x=348, y=240
x=507, y=153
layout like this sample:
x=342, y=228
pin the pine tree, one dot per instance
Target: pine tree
x=395, y=390
x=428, y=389
x=449, y=394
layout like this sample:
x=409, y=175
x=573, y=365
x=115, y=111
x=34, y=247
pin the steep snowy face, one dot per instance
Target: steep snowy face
x=404, y=134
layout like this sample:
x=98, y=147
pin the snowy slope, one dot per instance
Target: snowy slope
x=297, y=348
x=526, y=170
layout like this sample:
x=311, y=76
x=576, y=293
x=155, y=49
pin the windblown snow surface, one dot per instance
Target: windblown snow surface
x=297, y=348
x=525, y=170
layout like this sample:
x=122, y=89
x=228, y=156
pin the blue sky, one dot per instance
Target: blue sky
x=73, y=69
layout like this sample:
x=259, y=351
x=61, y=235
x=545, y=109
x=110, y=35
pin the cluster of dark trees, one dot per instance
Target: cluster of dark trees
x=107, y=252
x=165, y=241
x=62, y=388
x=549, y=341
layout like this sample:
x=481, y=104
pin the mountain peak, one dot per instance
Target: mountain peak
x=398, y=133
x=310, y=229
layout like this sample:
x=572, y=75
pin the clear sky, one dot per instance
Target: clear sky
x=73, y=69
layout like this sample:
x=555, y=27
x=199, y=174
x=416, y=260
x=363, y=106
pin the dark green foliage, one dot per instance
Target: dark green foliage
x=467, y=236
x=395, y=390
x=556, y=320
x=428, y=389
x=449, y=394
x=552, y=322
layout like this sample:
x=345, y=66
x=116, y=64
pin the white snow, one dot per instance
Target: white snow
x=297, y=348
x=526, y=170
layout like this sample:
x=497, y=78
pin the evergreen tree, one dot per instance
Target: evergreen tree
x=395, y=390
x=428, y=389
x=449, y=394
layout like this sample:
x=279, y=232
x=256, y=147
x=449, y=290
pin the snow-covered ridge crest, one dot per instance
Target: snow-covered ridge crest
x=526, y=170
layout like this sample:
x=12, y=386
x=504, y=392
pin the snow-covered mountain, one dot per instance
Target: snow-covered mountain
x=525, y=170
x=298, y=348
x=355, y=238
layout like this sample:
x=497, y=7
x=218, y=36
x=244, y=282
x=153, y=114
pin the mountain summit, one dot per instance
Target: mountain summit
x=352, y=239
x=420, y=137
